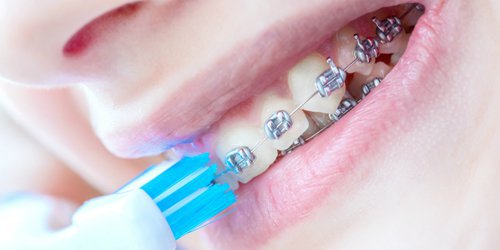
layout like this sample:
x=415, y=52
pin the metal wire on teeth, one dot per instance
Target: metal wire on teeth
x=366, y=50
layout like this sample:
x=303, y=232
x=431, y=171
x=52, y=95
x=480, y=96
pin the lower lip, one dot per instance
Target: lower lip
x=296, y=184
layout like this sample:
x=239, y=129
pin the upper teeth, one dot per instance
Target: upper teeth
x=366, y=49
x=248, y=154
x=343, y=50
x=236, y=135
x=279, y=126
x=239, y=159
x=301, y=82
x=330, y=80
x=388, y=28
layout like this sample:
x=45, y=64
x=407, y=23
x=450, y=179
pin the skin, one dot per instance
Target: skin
x=434, y=178
x=36, y=172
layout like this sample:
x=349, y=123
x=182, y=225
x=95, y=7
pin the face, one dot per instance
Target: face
x=413, y=164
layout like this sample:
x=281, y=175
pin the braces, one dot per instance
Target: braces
x=369, y=86
x=278, y=124
x=366, y=50
x=346, y=105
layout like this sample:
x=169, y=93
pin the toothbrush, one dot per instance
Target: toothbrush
x=152, y=211
x=187, y=194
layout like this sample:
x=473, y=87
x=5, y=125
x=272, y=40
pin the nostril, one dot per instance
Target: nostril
x=78, y=42
x=84, y=37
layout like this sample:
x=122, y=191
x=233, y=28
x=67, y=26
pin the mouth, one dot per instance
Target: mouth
x=274, y=68
x=286, y=176
x=236, y=69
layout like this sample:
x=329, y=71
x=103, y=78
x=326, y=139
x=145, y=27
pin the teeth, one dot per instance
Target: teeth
x=343, y=51
x=273, y=103
x=387, y=29
x=369, y=86
x=411, y=19
x=380, y=69
x=301, y=82
x=240, y=134
x=313, y=124
x=297, y=143
x=321, y=119
x=230, y=179
x=398, y=45
x=401, y=49
x=285, y=131
x=345, y=106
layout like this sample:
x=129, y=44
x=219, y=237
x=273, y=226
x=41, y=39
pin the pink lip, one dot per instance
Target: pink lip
x=297, y=184
x=253, y=64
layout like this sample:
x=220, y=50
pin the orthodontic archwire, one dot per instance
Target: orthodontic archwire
x=365, y=50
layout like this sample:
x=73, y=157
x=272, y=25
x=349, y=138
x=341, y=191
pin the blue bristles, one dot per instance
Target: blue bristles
x=187, y=195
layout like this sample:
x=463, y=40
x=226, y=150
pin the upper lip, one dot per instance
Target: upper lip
x=245, y=69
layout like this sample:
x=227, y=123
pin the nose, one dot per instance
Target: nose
x=34, y=33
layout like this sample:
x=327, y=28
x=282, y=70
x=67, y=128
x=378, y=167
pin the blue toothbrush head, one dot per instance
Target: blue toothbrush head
x=187, y=194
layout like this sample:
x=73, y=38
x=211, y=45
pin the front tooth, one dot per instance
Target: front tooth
x=343, y=52
x=301, y=82
x=238, y=134
x=274, y=103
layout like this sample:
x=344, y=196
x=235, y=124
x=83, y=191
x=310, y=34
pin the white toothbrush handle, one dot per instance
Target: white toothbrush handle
x=129, y=220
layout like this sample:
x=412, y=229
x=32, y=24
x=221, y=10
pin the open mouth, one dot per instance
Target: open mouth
x=316, y=93
x=296, y=140
x=286, y=121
